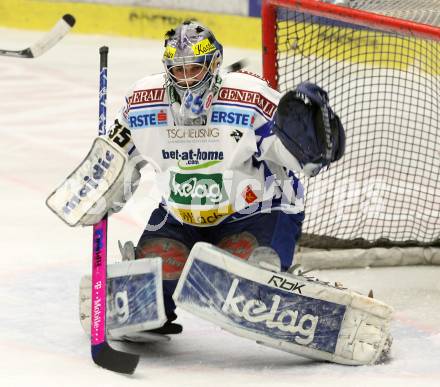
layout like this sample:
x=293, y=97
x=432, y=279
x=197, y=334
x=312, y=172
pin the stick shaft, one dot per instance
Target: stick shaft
x=99, y=266
x=102, y=353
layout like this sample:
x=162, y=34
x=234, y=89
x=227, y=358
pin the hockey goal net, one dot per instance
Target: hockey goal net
x=382, y=74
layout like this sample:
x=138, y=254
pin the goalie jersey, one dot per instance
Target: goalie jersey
x=229, y=168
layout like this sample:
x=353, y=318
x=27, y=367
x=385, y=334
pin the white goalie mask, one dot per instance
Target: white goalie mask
x=192, y=57
x=192, y=60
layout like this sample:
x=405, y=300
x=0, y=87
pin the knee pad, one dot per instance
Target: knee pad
x=173, y=253
x=241, y=245
x=244, y=245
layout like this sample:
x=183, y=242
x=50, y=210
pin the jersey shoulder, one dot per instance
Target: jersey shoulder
x=249, y=89
x=148, y=90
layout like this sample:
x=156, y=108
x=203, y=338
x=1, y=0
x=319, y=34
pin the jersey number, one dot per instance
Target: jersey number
x=120, y=135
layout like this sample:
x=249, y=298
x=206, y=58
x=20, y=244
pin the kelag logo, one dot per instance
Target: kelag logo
x=197, y=188
x=147, y=117
x=189, y=160
x=233, y=117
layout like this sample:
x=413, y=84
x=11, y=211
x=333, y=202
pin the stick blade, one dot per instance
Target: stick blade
x=113, y=360
x=61, y=28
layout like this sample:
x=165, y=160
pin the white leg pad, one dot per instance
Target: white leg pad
x=289, y=312
x=134, y=299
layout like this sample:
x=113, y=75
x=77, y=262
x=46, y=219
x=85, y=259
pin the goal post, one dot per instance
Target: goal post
x=382, y=199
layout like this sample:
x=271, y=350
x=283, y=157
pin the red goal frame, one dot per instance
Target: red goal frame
x=341, y=13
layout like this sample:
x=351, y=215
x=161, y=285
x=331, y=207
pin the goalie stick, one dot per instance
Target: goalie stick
x=61, y=28
x=102, y=354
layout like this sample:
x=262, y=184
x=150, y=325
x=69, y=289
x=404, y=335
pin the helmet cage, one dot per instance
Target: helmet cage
x=192, y=73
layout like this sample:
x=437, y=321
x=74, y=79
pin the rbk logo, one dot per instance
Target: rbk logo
x=283, y=283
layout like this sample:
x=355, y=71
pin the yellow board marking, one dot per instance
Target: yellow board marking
x=132, y=21
x=380, y=50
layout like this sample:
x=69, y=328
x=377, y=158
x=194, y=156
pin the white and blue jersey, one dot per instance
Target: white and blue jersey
x=230, y=168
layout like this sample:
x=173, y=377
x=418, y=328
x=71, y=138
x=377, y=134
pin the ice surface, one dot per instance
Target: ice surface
x=48, y=112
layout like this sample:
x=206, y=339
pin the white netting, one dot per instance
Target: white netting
x=421, y=11
x=384, y=86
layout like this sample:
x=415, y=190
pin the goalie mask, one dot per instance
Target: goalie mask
x=192, y=58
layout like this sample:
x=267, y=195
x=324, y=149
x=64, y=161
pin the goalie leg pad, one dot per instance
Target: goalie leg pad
x=285, y=311
x=134, y=298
